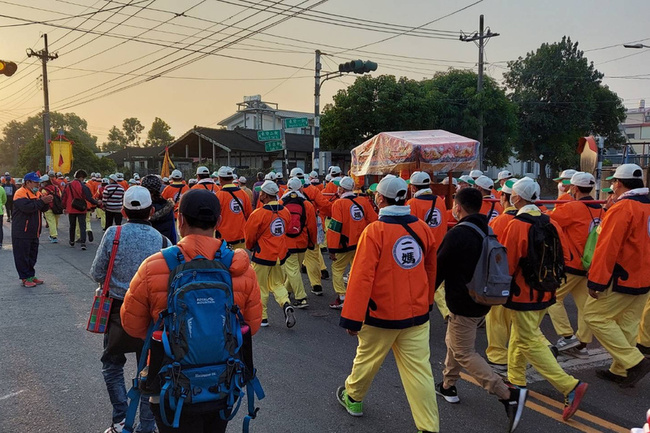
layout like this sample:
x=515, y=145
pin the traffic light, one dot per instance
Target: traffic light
x=358, y=66
x=7, y=68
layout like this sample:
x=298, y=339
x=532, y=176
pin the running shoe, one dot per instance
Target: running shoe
x=354, y=408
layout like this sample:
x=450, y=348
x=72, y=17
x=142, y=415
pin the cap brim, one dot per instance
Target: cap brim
x=566, y=181
x=470, y=181
x=558, y=179
x=607, y=190
x=373, y=187
x=336, y=182
x=609, y=178
x=258, y=188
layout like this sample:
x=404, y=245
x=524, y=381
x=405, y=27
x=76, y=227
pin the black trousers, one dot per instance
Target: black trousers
x=9, y=205
x=74, y=218
x=113, y=216
x=2, y=236
x=25, y=255
x=191, y=423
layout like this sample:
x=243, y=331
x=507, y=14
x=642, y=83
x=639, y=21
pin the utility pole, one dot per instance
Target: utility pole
x=480, y=38
x=316, y=155
x=45, y=56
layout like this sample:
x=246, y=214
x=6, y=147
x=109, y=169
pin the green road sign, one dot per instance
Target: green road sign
x=296, y=122
x=271, y=134
x=273, y=146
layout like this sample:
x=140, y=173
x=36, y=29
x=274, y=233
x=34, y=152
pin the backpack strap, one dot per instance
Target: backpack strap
x=224, y=255
x=358, y=205
x=433, y=206
x=412, y=233
x=239, y=203
x=473, y=226
x=173, y=256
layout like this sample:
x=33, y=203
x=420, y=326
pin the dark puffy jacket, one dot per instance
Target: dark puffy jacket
x=163, y=219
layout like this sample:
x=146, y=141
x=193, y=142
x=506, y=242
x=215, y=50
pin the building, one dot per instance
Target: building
x=636, y=129
x=256, y=114
x=141, y=160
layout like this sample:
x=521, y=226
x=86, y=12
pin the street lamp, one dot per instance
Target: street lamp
x=636, y=46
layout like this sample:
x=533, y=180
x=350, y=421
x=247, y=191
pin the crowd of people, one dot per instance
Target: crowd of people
x=395, y=251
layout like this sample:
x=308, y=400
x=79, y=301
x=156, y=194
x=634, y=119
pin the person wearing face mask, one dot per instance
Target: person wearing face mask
x=491, y=209
x=577, y=220
x=619, y=275
x=529, y=299
x=390, y=293
x=563, y=188
x=26, y=227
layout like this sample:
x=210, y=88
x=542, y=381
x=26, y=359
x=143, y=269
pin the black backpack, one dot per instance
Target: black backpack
x=57, y=204
x=543, y=268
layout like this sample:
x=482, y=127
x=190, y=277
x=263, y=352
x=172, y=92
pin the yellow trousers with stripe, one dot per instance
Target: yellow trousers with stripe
x=293, y=281
x=52, y=223
x=527, y=345
x=271, y=279
x=576, y=285
x=644, y=327
x=497, y=327
x=312, y=262
x=411, y=350
x=614, y=319
x=343, y=260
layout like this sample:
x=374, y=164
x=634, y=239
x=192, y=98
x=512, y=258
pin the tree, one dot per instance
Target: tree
x=132, y=129
x=447, y=101
x=159, y=134
x=116, y=140
x=560, y=98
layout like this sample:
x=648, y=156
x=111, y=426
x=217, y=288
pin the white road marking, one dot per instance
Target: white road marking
x=13, y=394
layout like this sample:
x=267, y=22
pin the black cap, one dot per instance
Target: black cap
x=200, y=204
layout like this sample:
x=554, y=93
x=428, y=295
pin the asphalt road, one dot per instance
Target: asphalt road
x=50, y=377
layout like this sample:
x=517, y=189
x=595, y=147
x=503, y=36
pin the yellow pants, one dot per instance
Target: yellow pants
x=338, y=269
x=52, y=223
x=102, y=216
x=293, y=281
x=497, y=327
x=441, y=303
x=313, y=264
x=614, y=319
x=576, y=285
x=88, y=226
x=323, y=267
x=644, y=327
x=411, y=350
x=527, y=344
x=271, y=279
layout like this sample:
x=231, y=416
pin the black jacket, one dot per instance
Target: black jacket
x=163, y=218
x=457, y=258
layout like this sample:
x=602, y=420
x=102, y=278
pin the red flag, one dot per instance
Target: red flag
x=60, y=160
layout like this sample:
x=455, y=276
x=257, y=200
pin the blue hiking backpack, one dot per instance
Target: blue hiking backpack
x=203, y=363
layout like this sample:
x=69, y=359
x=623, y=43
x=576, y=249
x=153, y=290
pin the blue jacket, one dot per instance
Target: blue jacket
x=26, y=218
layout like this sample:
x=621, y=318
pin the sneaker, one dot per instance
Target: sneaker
x=605, y=374
x=53, y=240
x=317, y=290
x=636, y=373
x=565, y=343
x=83, y=247
x=116, y=427
x=301, y=303
x=354, y=408
x=499, y=368
x=28, y=283
x=265, y=323
x=515, y=407
x=337, y=304
x=303, y=269
x=289, y=317
x=71, y=243
x=554, y=351
x=324, y=275
x=37, y=281
x=572, y=401
x=576, y=352
x=91, y=236
x=450, y=394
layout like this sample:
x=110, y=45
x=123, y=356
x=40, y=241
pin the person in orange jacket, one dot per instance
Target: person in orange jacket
x=390, y=294
x=563, y=188
x=528, y=305
x=123, y=183
x=502, y=178
x=350, y=216
x=331, y=187
x=577, y=220
x=302, y=235
x=147, y=295
x=491, y=208
x=618, y=277
x=265, y=233
x=204, y=181
x=175, y=189
x=236, y=208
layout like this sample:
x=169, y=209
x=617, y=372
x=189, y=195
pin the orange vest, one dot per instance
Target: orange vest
x=493, y=208
x=210, y=186
x=349, y=219
x=235, y=209
x=500, y=223
x=432, y=213
x=265, y=234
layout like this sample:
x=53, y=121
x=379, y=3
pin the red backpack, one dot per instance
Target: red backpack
x=296, y=206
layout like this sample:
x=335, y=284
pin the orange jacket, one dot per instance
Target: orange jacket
x=434, y=213
x=207, y=184
x=500, y=223
x=350, y=216
x=622, y=256
x=308, y=238
x=577, y=219
x=265, y=234
x=392, y=281
x=124, y=184
x=235, y=209
x=565, y=196
x=493, y=208
x=174, y=191
x=322, y=204
x=522, y=296
x=147, y=294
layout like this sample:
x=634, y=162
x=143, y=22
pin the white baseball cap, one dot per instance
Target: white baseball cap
x=505, y=174
x=269, y=176
x=527, y=189
x=313, y=175
x=105, y=180
x=132, y=182
x=582, y=179
x=294, y=184
x=566, y=174
x=392, y=187
x=627, y=171
x=136, y=176
x=454, y=181
x=484, y=182
x=202, y=170
x=113, y=177
x=120, y=176
x=279, y=175
x=328, y=177
x=165, y=179
x=58, y=174
x=136, y=198
x=99, y=175
x=420, y=178
x=297, y=172
x=507, y=187
x=243, y=180
x=176, y=174
x=226, y=172
x=45, y=178
x=475, y=174
x=465, y=179
x=346, y=182
x=268, y=187
x=335, y=171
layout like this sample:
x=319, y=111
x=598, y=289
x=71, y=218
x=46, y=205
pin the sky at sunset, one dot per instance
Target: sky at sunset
x=190, y=61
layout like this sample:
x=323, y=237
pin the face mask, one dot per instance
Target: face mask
x=512, y=202
x=35, y=189
x=454, y=214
